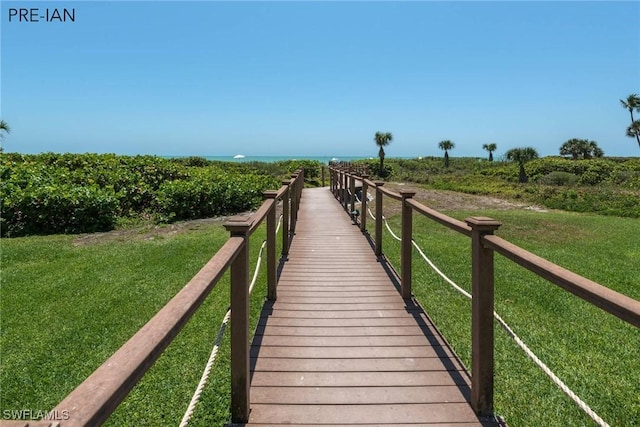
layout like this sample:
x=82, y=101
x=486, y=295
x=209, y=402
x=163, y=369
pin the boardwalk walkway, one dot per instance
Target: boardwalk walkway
x=340, y=346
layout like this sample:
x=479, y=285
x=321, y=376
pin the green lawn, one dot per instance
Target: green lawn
x=65, y=308
x=594, y=353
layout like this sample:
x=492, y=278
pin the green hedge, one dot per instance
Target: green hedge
x=74, y=193
x=51, y=209
x=210, y=193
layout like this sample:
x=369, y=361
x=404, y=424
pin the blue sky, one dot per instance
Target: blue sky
x=319, y=78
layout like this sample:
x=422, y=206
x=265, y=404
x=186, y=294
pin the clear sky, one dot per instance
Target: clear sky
x=319, y=78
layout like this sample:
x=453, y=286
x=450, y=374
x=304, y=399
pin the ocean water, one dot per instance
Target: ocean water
x=271, y=159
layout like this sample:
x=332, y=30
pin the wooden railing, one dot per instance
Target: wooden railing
x=93, y=401
x=483, y=244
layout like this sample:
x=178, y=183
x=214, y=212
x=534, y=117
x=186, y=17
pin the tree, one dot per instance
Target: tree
x=4, y=127
x=634, y=129
x=581, y=149
x=446, y=145
x=632, y=103
x=382, y=139
x=490, y=148
x=522, y=156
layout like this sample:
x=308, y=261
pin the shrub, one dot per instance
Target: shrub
x=72, y=193
x=558, y=178
x=193, y=161
x=57, y=209
x=210, y=193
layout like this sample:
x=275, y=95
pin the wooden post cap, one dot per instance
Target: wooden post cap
x=269, y=194
x=379, y=183
x=483, y=223
x=407, y=194
x=238, y=224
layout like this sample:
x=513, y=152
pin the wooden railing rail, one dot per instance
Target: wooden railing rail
x=95, y=399
x=483, y=245
x=612, y=302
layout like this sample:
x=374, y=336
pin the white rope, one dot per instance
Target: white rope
x=205, y=374
x=437, y=270
x=509, y=331
x=390, y=230
x=257, y=269
x=368, y=208
x=214, y=352
x=595, y=417
x=371, y=214
x=523, y=346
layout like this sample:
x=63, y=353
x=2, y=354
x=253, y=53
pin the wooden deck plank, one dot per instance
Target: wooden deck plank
x=376, y=341
x=356, y=379
x=345, y=331
x=357, y=395
x=285, y=352
x=338, y=307
x=426, y=413
x=337, y=323
x=471, y=424
x=395, y=364
x=341, y=347
x=338, y=314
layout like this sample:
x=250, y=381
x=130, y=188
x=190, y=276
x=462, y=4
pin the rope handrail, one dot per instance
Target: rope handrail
x=556, y=380
x=214, y=351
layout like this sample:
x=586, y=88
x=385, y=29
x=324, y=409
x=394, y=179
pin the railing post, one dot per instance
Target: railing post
x=334, y=181
x=322, y=173
x=406, y=250
x=379, y=184
x=482, y=364
x=343, y=178
x=363, y=206
x=352, y=189
x=347, y=185
x=294, y=202
x=285, y=218
x=240, y=399
x=300, y=187
x=272, y=268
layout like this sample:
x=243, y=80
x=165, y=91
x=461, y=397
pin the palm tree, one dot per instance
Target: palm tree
x=446, y=145
x=591, y=149
x=581, y=148
x=634, y=130
x=571, y=147
x=4, y=127
x=382, y=139
x=490, y=148
x=632, y=102
x=595, y=150
x=522, y=156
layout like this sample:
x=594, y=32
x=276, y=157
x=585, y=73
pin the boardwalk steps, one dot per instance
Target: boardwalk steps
x=341, y=347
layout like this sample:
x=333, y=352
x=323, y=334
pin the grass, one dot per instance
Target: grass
x=66, y=308
x=594, y=353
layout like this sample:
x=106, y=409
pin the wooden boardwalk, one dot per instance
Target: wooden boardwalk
x=341, y=347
